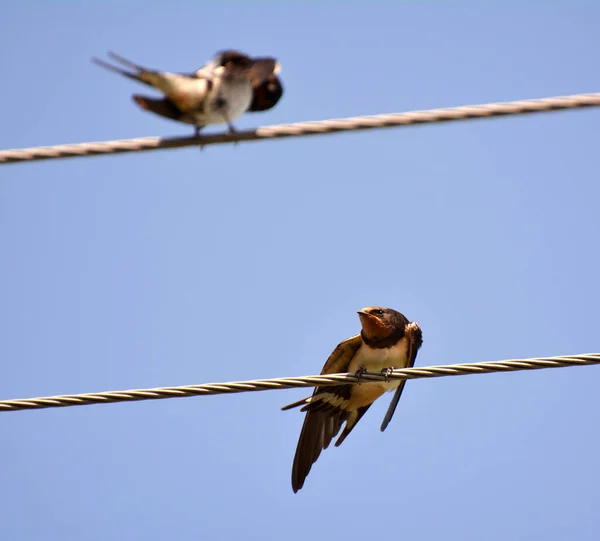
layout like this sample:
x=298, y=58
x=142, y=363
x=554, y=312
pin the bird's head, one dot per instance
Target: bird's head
x=256, y=70
x=381, y=324
x=267, y=94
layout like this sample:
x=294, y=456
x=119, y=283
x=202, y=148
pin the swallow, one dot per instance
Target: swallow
x=387, y=341
x=218, y=93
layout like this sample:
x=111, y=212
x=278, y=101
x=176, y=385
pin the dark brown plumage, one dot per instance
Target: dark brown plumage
x=231, y=84
x=387, y=340
x=266, y=95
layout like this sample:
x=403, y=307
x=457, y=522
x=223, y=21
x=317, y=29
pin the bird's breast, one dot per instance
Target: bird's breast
x=238, y=95
x=228, y=100
x=375, y=360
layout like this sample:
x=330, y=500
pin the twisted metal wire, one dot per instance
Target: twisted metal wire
x=305, y=128
x=294, y=382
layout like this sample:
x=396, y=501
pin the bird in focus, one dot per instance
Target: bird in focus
x=228, y=86
x=387, y=341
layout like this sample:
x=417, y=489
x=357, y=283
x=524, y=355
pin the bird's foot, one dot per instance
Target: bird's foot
x=221, y=104
x=387, y=372
x=360, y=372
x=231, y=130
x=197, y=134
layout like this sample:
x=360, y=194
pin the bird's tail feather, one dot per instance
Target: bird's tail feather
x=302, y=402
x=116, y=69
x=126, y=62
x=142, y=75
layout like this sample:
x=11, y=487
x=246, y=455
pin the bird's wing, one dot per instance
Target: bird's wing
x=325, y=412
x=337, y=362
x=163, y=107
x=415, y=339
x=340, y=357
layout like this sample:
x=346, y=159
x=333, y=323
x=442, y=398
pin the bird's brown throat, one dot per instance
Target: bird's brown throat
x=377, y=334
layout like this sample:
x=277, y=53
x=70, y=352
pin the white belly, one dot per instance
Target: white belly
x=375, y=360
x=238, y=97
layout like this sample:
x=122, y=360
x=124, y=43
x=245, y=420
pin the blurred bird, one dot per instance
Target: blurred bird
x=387, y=341
x=220, y=92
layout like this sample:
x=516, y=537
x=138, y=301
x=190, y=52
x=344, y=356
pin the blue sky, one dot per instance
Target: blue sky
x=182, y=267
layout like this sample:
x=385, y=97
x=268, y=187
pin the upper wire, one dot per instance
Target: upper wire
x=294, y=382
x=300, y=129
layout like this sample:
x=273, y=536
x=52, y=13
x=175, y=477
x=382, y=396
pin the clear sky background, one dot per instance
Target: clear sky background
x=184, y=267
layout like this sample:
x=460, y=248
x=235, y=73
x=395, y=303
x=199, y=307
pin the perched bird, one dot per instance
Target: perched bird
x=387, y=341
x=221, y=91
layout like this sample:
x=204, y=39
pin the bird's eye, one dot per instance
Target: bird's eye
x=377, y=312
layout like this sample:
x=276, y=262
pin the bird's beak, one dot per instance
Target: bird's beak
x=368, y=321
x=372, y=326
x=277, y=68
